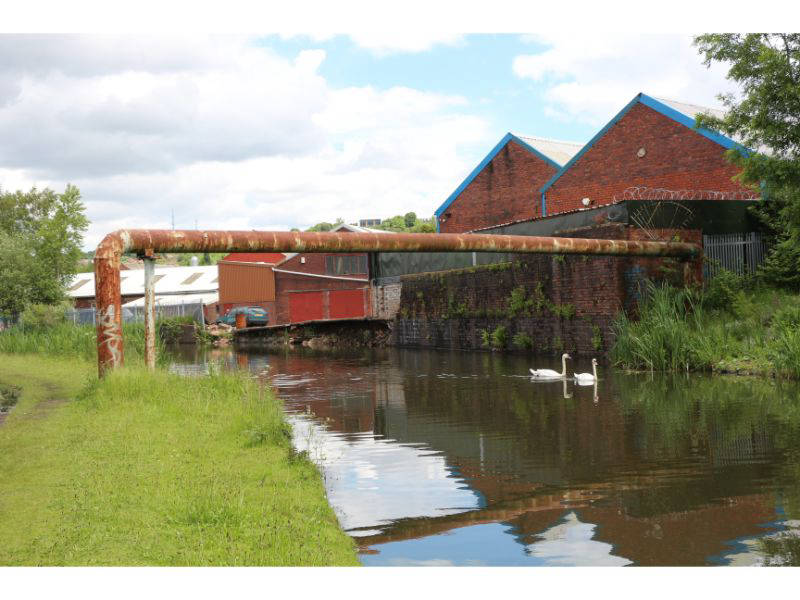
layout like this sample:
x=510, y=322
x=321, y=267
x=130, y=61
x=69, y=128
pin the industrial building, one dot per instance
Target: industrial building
x=299, y=287
x=651, y=144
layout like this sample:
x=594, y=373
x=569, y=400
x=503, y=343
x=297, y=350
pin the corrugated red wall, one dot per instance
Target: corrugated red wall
x=306, y=306
x=347, y=304
x=328, y=304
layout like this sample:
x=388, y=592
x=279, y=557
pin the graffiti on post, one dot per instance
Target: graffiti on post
x=111, y=333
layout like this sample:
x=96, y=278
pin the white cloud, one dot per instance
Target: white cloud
x=382, y=43
x=224, y=132
x=591, y=77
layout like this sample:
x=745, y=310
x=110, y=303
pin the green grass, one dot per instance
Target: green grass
x=73, y=341
x=155, y=469
x=739, y=329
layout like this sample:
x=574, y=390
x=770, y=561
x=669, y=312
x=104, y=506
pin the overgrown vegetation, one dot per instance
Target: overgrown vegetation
x=731, y=327
x=72, y=341
x=597, y=338
x=149, y=468
x=522, y=340
x=499, y=337
x=766, y=68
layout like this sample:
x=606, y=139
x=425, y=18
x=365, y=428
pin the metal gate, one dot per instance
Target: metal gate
x=740, y=253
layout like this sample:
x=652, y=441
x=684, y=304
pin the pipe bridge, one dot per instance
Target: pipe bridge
x=146, y=242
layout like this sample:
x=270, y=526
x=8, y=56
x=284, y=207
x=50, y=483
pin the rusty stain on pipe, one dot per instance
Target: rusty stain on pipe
x=107, y=257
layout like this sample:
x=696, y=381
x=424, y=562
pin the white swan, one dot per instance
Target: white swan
x=549, y=373
x=587, y=378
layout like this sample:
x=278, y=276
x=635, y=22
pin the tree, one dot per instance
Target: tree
x=41, y=233
x=410, y=219
x=765, y=120
x=325, y=226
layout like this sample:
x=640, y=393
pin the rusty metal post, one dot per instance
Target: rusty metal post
x=107, y=257
x=149, y=312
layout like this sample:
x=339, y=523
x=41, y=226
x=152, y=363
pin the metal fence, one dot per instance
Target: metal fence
x=740, y=253
x=135, y=314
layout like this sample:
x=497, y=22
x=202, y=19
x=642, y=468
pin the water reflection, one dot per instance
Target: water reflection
x=455, y=458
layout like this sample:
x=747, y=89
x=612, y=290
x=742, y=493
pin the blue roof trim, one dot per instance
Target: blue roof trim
x=590, y=143
x=683, y=119
x=494, y=152
x=660, y=107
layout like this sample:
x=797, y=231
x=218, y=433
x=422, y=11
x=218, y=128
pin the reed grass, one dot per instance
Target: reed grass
x=756, y=331
x=72, y=341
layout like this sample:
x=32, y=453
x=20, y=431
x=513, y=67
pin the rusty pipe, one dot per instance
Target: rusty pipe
x=147, y=241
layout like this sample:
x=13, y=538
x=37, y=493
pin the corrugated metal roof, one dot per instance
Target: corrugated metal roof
x=177, y=299
x=168, y=280
x=359, y=229
x=557, y=150
x=692, y=110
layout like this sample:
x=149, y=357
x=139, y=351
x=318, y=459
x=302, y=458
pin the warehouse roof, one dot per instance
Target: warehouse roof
x=556, y=150
x=168, y=280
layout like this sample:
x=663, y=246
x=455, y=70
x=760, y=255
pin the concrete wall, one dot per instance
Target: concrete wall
x=386, y=300
x=543, y=303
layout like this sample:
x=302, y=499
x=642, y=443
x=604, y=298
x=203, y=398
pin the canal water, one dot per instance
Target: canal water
x=441, y=458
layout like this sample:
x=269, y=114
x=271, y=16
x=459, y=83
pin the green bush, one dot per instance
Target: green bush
x=499, y=337
x=43, y=316
x=564, y=311
x=722, y=291
x=597, y=338
x=519, y=303
x=786, y=318
x=522, y=340
x=780, y=267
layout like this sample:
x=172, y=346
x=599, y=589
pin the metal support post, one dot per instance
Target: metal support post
x=149, y=311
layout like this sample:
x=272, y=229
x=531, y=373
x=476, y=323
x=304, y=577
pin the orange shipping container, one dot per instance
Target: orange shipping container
x=241, y=282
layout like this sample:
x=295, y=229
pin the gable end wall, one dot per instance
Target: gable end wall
x=507, y=189
x=676, y=158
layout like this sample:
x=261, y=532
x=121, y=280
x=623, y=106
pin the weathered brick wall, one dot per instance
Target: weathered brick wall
x=507, y=189
x=676, y=158
x=543, y=303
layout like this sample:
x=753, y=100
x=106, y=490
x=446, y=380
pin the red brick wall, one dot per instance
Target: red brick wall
x=676, y=158
x=314, y=263
x=575, y=298
x=507, y=189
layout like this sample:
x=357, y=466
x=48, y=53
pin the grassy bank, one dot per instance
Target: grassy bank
x=154, y=469
x=733, y=327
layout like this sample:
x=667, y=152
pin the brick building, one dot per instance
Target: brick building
x=650, y=143
x=299, y=287
x=505, y=185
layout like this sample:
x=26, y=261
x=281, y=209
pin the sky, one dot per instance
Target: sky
x=270, y=132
